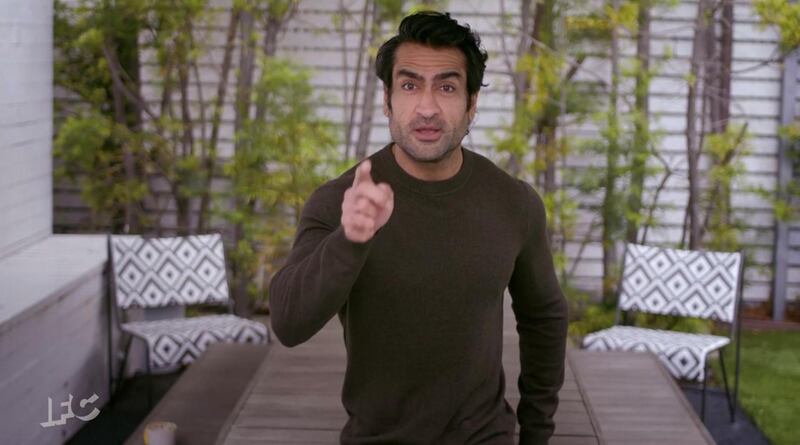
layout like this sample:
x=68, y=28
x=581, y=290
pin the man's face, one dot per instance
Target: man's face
x=427, y=105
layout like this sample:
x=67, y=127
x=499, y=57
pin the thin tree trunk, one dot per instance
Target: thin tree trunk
x=182, y=197
x=343, y=14
x=216, y=119
x=693, y=137
x=120, y=118
x=718, y=95
x=521, y=81
x=272, y=28
x=127, y=113
x=351, y=119
x=712, y=77
x=244, y=87
x=725, y=67
x=542, y=34
x=183, y=208
x=119, y=78
x=641, y=137
x=244, y=81
x=368, y=99
x=166, y=89
x=610, y=214
x=726, y=62
x=527, y=35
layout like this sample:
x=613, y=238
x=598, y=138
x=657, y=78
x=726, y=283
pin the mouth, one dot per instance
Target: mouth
x=427, y=134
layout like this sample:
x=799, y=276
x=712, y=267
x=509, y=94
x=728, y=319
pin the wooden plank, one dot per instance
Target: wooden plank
x=203, y=397
x=608, y=398
x=634, y=400
x=297, y=394
x=244, y=436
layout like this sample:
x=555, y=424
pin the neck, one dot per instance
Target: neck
x=440, y=170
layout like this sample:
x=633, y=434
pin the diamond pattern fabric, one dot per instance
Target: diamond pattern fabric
x=681, y=353
x=157, y=272
x=182, y=340
x=680, y=282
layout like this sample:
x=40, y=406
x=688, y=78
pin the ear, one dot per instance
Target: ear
x=473, y=108
x=387, y=106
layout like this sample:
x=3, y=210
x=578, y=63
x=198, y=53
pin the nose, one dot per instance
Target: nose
x=427, y=106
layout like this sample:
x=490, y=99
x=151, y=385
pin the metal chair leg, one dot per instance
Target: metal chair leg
x=110, y=369
x=731, y=406
x=703, y=396
x=149, y=379
x=736, y=366
x=109, y=334
x=121, y=378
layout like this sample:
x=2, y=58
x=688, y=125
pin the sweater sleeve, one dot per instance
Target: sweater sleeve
x=541, y=313
x=319, y=273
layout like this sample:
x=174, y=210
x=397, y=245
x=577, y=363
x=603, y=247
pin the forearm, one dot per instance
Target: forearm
x=541, y=312
x=310, y=289
x=542, y=356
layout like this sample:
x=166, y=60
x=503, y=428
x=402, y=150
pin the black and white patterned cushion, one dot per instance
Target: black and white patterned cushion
x=674, y=282
x=158, y=272
x=182, y=340
x=681, y=353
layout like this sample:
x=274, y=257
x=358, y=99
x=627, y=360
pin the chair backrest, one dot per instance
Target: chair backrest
x=158, y=272
x=688, y=283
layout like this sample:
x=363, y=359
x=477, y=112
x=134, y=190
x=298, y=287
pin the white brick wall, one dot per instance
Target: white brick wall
x=26, y=79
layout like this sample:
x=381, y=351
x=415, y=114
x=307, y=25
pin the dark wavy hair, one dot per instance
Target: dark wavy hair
x=437, y=30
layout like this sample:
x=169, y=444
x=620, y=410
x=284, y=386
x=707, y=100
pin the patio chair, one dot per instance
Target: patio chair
x=177, y=271
x=656, y=280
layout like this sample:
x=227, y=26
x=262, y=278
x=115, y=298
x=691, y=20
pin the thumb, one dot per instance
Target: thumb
x=362, y=172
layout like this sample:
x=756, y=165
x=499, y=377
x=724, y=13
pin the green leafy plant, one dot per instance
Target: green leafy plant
x=280, y=159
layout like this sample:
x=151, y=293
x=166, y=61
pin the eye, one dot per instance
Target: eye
x=408, y=86
x=447, y=88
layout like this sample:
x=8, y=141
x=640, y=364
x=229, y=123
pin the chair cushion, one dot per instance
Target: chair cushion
x=182, y=340
x=683, y=354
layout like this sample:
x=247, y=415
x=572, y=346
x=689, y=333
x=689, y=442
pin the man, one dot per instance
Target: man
x=413, y=249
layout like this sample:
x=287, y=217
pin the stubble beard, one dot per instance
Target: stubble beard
x=428, y=152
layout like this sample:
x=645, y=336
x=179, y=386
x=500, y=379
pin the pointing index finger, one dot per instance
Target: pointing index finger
x=362, y=172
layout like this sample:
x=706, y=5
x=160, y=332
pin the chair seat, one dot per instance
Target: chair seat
x=182, y=340
x=683, y=354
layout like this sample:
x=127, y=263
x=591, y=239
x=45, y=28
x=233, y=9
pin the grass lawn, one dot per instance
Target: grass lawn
x=769, y=385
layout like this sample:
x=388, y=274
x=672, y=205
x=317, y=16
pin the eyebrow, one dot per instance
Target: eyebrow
x=417, y=76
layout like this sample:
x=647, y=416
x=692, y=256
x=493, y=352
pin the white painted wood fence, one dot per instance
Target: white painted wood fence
x=313, y=39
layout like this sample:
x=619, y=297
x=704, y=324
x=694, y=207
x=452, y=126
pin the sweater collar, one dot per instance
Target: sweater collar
x=385, y=159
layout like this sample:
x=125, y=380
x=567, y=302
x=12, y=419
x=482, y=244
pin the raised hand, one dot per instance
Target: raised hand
x=366, y=206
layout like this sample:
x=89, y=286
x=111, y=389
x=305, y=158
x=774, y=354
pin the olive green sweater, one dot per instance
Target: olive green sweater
x=421, y=305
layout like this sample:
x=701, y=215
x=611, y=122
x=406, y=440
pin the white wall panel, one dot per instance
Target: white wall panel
x=26, y=93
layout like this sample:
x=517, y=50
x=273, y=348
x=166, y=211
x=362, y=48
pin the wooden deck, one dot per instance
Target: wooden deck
x=606, y=399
